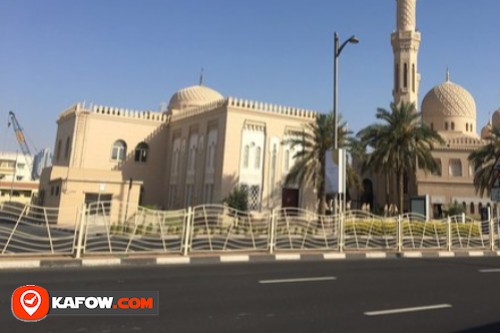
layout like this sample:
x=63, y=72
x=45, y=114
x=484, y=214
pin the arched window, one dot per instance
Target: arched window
x=472, y=210
x=246, y=156
x=141, y=152
x=452, y=126
x=446, y=126
x=67, y=149
x=455, y=167
x=466, y=127
x=119, y=150
x=405, y=75
x=470, y=127
x=464, y=206
x=439, y=167
x=479, y=208
x=58, y=151
x=258, y=152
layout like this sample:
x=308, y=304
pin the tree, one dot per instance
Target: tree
x=314, y=142
x=237, y=199
x=484, y=160
x=400, y=144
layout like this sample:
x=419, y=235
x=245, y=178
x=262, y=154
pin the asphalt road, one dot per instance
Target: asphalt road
x=443, y=295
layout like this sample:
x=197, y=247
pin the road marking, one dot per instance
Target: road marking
x=308, y=279
x=20, y=264
x=234, y=258
x=490, y=270
x=334, y=256
x=292, y=256
x=373, y=255
x=412, y=254
x=446, y=254
x=403, y=310
x=476, y=253
x=175, y=260
x=101, y=262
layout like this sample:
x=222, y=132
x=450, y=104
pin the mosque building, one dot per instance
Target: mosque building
x=451, y=111
x=206, y=144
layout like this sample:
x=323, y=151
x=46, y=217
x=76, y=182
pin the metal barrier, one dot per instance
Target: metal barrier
x=144, y=230
x=365, y=231
x=298, y=229
x=29, y=229
x=220, y=228
x=115, y=228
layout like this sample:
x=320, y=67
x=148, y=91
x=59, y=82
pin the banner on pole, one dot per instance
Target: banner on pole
x=335, y=171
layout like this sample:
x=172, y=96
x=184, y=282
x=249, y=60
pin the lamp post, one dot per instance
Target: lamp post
x=337, y=50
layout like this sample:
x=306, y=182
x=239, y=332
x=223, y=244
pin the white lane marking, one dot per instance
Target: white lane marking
x=308, y=279
x=373, y=255
x=234, y=258
x=446, y=254
x=175, y=260
x=327, y=256
x=100, y=262
x=412, y=254
x=403, y=310
x=490, y=270
x=292, y=256
x=476, y=253
x=20, y=264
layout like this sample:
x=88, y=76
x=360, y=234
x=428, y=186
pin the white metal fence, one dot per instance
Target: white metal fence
x=102, y=228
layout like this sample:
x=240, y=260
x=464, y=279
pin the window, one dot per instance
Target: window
x=19, y=178
x=470, y=127
x=439, y=167
x=21, y=166
x=119, y=150
x=472, y=210
x=405, y=76
x=466, y=127
x=446, y=126
x=67, y=148
x=287, y=160
x=455, y=168
x=452, y=126
x=413, y=75
x=58, y=151
x=257, y=157
x=246, y=156
x=396, y=78
x=141, y=152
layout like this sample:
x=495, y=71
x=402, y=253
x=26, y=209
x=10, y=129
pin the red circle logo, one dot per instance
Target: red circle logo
x=30, y=303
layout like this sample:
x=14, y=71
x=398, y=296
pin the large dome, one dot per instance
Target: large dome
x=193, y=96
x=449, y=106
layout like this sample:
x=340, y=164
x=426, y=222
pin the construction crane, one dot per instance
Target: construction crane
x=21, y=140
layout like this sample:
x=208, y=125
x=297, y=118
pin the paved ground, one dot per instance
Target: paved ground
x=443, y=295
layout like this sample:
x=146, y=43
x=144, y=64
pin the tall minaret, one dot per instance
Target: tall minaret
x=405, y=43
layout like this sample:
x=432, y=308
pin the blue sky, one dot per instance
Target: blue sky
x=136, y=54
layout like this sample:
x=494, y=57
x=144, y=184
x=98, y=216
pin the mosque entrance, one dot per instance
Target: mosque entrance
x=290, y=198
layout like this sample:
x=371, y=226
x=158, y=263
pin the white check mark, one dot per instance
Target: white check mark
x=30, y=301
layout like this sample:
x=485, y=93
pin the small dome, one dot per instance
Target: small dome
x=193, y=96
x=485, y=131
x=495, y=118
x=449, y=107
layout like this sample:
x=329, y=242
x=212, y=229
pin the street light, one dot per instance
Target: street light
x=353, y=40
x=338, y=49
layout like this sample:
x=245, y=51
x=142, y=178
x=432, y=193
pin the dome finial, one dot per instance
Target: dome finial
x=447, y=74
x=201, y=77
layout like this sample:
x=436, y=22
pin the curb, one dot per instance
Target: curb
x=9, y=263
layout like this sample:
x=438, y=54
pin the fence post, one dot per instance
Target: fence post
x=448, y=234
x=491, y=230
x=399, y=228
x=341, y=231
x=81, y=228
x=272, y=231
x=463, y=218
x=187, y=235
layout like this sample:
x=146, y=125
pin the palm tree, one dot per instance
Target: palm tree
x=314, y=142
x=400, y=144
x=484, y=160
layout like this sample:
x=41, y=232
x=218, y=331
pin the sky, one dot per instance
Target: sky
x=136, y=54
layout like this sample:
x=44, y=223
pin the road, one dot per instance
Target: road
x=428, y=295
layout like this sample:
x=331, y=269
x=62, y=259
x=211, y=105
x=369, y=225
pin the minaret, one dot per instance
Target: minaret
x=405, y=43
